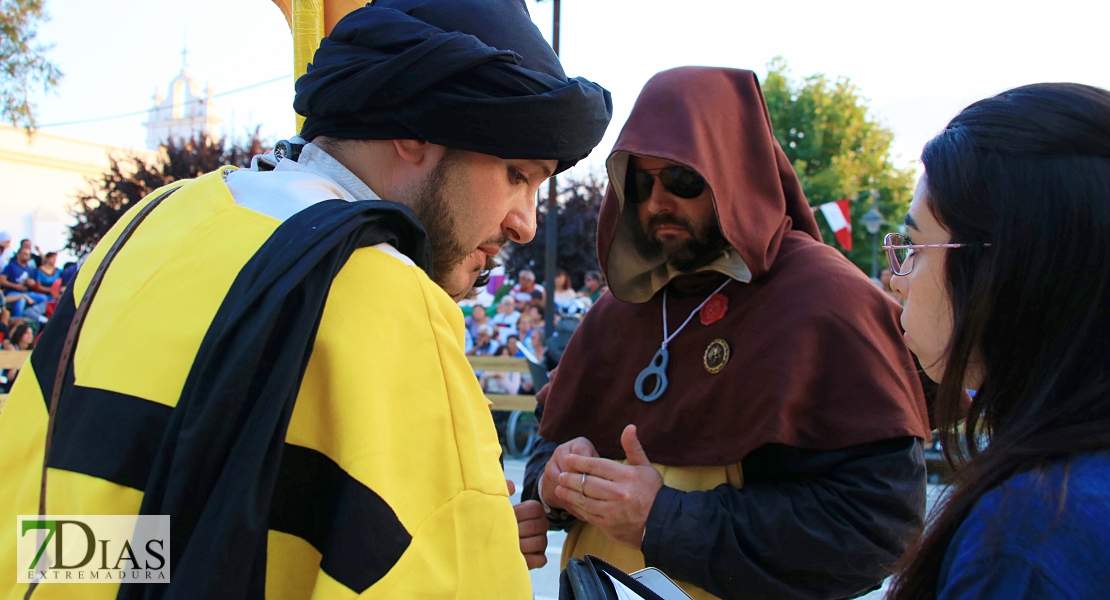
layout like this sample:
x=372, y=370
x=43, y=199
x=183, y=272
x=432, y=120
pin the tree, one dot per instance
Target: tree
x=579, y=203
x=23, y=64
x=131, y=178
x=839, y=150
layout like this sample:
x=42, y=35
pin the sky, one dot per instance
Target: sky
x=918, y=63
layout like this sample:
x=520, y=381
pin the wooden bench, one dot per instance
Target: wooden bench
x=505, y=364
x=12, y=359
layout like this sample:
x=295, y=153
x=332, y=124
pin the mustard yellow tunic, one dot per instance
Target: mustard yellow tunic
x=586, y=539
x=388, y=396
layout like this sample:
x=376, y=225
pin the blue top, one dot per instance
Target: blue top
x=47, y=280
x=17, y=273
x=1020, y=542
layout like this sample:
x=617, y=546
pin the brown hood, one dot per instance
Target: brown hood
x=816, y=354
x=756, y=193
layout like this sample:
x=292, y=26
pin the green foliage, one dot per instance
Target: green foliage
x=23, y=64
x=131, y=178
x=839, y=151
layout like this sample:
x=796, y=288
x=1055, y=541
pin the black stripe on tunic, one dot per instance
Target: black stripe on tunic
x=358, y=534
x=48, y=350
x=107, y=434
x=113, y=436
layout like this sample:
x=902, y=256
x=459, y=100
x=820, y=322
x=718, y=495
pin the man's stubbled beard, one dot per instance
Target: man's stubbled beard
x=704, y=246
x=433, y=209
x=435, y=203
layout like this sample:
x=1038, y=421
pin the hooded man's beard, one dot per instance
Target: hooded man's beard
x=704, y=246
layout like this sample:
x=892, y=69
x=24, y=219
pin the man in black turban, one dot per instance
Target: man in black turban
x=477, y=82
x=273, y=357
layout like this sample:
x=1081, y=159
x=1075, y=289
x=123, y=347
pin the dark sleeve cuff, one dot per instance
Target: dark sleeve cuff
x=533, y=471
x=541, y=453
x=662, y=513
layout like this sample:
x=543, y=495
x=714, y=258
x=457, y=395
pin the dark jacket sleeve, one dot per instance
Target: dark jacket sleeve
x=806, y=523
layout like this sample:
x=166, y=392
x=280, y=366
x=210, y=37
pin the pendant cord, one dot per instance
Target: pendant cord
x=667, y=338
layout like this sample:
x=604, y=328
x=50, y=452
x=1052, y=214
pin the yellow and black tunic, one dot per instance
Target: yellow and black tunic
x=388, y=484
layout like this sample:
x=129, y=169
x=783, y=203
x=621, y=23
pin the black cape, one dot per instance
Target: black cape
x=219, y=456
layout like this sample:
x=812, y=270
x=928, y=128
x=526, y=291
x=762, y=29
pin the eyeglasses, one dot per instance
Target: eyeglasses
x=899, y=250
x=683, y=182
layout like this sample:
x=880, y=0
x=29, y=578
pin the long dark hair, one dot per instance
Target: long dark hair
x=17, y=335
x=1029, y=172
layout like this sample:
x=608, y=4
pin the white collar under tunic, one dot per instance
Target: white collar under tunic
x=289, y=186
x=292, y=186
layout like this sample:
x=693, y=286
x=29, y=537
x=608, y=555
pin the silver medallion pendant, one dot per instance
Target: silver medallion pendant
x=658, y=369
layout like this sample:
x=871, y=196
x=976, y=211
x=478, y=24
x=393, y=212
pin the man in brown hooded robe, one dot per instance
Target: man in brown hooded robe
x=740, y=410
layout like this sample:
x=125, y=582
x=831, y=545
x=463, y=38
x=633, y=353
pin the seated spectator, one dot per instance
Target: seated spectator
x=6, y=253
x=513, y=344
x=532, y=346
x=538, y=299
x=484, y=345
x=595, y=286
x=5, y=323
x=14, y=282
x=526, y=287
x=23, y=338
x=564, y=290
x=476, y=320
x=504, y=322
x=34, y=252
x=524, y=327
x=69, y=271
x=535, y=315
x=47, y=280
x=494, y=382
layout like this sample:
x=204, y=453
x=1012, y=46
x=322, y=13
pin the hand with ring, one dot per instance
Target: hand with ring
x=556, y=466
x=615, y=498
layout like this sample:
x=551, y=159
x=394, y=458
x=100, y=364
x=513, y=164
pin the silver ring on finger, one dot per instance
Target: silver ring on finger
x=583, y=486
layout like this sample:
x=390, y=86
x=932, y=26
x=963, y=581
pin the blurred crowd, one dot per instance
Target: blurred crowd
x=32, y=283
x=508, y=318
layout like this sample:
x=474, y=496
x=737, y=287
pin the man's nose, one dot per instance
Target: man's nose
x=660, y=200
x=519, y=224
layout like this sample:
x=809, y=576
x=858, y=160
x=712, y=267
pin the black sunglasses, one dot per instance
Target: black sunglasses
x=683, y=182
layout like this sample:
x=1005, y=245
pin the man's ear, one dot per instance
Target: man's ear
x=413, y=151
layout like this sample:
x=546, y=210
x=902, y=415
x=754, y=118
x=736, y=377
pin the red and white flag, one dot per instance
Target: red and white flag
x=838, y=214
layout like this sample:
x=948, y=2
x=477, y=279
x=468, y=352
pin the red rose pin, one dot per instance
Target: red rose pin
x=715, y=309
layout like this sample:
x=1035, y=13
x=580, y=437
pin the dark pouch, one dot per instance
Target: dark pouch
x=585, y=579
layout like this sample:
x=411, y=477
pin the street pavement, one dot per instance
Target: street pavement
x=545, y=581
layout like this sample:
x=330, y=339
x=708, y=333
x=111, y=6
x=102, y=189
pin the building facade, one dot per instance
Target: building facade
x=184, y=113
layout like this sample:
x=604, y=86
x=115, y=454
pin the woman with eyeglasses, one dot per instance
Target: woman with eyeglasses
x=1005, y=274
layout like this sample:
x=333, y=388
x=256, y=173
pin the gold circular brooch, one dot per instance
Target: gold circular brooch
x=716, y=356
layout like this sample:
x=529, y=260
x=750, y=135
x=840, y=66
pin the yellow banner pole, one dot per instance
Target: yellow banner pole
x=307, y=26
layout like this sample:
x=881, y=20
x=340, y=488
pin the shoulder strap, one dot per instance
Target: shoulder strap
x=66, y=359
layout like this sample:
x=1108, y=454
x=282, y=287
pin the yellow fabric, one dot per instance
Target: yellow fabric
x=388, y=395
x=586, y=539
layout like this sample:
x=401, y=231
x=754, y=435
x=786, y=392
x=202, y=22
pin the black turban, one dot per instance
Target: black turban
x=467, y=74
